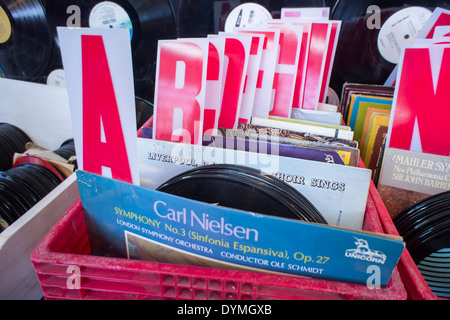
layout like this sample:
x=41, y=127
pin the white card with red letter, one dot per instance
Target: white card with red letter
x=312, y=66
x=237, y=52
x=420, y=110
x=335, y=26
x=286, y=68
x=180, y=90
x=99, y=78
x=302, y=63
x=439, y=17
x=266, y=74
x=254, y=62
x=214, y=84
x=320, y=34
x=441, y=32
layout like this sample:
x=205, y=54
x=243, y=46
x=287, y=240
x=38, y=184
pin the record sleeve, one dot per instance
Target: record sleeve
x=362, y=114
x=244, y=128
x=368, y=129
x=128, y=221
x=274, y=148
x=376, y=120
x=363, y=101
x=350, y=89
x=407, y=177
x=376, y=156
x=298, y=127
x=347, y=149
x=339, y=192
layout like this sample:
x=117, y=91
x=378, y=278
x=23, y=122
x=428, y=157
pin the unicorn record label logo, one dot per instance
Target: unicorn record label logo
x=363, y=252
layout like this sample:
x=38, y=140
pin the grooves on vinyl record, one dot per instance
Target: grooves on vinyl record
x=25, y=40
x=425, y=228
x=243, y=188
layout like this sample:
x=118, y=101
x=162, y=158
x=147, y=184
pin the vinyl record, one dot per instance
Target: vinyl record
x=23, y=186
x=198, y=18
x=372, y=35
x=147, y=20
x=421, y=210
x=41, y=163
x=425, y=228
x=25, y=40
x=144, y=110
x=435, y=270
x=66, y=149
x=12, y=140
x=242, y=188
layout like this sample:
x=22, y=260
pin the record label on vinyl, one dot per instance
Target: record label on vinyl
x=245, y=15
x=108, y=14
x=5, y=26
x=57, y=78
x=400, y=30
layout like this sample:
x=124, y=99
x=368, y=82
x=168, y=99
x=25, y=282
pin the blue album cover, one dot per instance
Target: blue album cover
x=128, y=221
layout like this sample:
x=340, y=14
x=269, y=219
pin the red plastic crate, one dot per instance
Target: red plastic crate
x=67, y=244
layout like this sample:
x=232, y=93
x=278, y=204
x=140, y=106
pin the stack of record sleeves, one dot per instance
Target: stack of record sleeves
x=243, y=188
x=425, y=228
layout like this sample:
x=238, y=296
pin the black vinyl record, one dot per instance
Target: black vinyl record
x=359, y=58
x=67, y=149
x=148, y=21
x=23, y=186
x=12, y=140
x=198, y=18
x=242, y=188
x=25, y=40
x=425, y=228
x=144, y=111
x=435, y=269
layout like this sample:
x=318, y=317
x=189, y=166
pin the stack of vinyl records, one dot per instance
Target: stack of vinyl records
x=24, y=185
x=243, y=188
x=12, y=140
x=28, y=180
x=425, y=228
